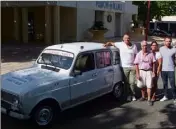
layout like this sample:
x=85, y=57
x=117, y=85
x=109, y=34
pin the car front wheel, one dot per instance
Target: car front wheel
x=44, y=115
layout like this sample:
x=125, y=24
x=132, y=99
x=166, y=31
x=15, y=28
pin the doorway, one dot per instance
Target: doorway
x=31, y=31
x=118, y=25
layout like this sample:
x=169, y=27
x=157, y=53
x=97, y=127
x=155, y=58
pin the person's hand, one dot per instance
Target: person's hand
x=108, y=44
x=153, y=74
x=105, y=45
x=158, y=73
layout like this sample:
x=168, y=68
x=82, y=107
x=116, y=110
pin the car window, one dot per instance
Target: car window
x=103, y=59
x=85, y=62
x=116, y=57
x=57, y=58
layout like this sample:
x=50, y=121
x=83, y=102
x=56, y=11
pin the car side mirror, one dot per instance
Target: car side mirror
x=76, y=73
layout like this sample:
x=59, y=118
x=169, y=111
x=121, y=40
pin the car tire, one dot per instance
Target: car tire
x=119, y=91
x=44, y=115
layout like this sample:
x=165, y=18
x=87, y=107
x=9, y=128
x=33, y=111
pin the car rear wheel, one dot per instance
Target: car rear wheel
x=118, y=91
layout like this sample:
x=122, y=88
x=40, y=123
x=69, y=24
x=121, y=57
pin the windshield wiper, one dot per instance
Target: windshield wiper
x=53, y=64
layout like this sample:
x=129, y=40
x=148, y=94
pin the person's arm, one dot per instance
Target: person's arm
x=109, y=44
x=159, y=66
x=174, y=55
x=159, y=60
x=137, y=72
x=153, y=66
x=114, y=44
x=136, y=63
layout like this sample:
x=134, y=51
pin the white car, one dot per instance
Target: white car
x=63, y=76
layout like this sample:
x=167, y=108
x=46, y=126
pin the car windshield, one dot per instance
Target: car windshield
x=56, y=58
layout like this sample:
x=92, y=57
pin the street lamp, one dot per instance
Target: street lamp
x=148, y=19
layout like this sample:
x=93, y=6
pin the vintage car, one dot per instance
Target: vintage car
x=63, y=76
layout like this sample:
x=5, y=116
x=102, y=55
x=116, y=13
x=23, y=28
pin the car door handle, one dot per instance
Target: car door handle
x=94, y=74
x=110, y=70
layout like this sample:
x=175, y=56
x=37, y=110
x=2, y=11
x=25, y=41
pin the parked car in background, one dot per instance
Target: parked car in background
x=62, y=77
x=160, y=33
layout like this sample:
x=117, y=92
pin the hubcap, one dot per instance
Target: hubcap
x=117, y=91
x=44, y=116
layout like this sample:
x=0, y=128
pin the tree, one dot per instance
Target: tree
x=158, y=9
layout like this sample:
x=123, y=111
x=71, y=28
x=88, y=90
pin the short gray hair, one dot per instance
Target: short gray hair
x=143, y=42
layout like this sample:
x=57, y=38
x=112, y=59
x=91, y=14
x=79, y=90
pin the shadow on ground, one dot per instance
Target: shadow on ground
x=170, y=111
x=102, y=113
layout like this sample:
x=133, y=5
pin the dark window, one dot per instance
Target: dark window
x=152, y=26
x=103, y=59
x=85, y=62
x=116, y=58
x=163, y=26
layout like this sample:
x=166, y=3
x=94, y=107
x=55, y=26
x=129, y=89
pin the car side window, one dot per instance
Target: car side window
x=103, y=59
x=116, y=57
x=85, y=62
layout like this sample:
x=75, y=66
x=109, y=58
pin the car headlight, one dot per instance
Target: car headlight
x=15, y=104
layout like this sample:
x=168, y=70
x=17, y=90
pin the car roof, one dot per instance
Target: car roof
x=76, y=47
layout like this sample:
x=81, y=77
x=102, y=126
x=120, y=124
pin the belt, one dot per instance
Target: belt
x=146, y=69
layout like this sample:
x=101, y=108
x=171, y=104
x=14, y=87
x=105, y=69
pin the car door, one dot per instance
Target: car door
x=83, y=85
x=105, y=70
x=116, y=66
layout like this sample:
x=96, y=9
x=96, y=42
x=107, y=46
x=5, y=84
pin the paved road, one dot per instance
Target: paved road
x=106, y=113
x=101, y=113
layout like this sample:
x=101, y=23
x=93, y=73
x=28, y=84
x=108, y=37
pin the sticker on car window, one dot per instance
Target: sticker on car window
x=61, y=53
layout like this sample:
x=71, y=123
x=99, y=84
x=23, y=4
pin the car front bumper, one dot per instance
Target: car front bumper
x=14, y=114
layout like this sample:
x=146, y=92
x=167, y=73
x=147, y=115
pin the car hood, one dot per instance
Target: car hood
x=27, y=79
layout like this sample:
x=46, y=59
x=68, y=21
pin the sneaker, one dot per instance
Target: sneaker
x=142, y=99
x=164, y=99
x=150, y=103
x=174, y=101
x=134, y=98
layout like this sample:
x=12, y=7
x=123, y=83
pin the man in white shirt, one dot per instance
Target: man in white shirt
x=168, y=68
x=128, y=52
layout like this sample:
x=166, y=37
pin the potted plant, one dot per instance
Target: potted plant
x=98, y=30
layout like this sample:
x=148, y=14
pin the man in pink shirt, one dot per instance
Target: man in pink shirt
x=145, y=71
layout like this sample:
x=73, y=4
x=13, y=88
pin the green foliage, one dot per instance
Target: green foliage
x=157, y=9
x=98, y=25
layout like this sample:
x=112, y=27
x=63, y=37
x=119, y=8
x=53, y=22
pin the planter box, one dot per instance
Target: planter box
x=98, y=35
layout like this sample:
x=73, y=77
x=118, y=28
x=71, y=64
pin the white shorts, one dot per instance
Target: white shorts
x=145, y=79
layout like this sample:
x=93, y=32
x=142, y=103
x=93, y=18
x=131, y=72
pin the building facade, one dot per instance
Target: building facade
x=52, y=22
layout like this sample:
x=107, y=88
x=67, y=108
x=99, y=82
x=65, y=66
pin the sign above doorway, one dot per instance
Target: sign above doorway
x=110, y=5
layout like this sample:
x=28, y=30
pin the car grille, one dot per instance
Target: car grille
x=7, y=96
x=5, y=105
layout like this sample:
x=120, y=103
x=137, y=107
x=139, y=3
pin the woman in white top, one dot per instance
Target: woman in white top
x=157, y=54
